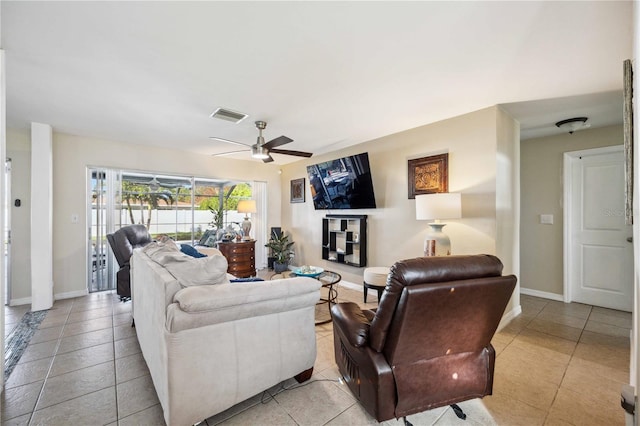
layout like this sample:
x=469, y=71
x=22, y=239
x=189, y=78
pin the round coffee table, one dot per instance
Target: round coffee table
x=328, y=279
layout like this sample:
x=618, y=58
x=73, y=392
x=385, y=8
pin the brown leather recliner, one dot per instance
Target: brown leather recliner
x=122, y=243
x=428, y=343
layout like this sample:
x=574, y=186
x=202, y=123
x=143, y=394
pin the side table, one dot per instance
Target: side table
x=241, y=257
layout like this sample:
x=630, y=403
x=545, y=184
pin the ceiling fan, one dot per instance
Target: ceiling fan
x=155, y=184
x=262, y=150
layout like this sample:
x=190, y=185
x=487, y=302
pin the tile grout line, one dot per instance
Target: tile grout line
x=115, y=370
x=564, y=373
x=46, y=377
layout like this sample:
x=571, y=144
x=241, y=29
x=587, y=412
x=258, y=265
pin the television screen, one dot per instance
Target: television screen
x=344, y=183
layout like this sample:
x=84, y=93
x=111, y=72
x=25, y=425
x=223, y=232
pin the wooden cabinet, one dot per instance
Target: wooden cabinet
x=344, y=239
x=241, y=257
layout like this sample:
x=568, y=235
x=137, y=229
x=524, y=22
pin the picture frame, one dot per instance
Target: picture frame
x=428, y=175
x=297, y=190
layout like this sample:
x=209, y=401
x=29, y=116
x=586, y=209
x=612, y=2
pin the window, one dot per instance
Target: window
x=182, y=207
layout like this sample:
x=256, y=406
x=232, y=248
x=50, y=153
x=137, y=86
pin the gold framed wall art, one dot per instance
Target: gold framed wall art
x=428, y=175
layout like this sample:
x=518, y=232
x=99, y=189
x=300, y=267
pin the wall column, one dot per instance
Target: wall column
x=41, y=217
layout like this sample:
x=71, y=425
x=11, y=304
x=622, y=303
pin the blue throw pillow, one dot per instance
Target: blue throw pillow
x=187, y=249
x=246, y=280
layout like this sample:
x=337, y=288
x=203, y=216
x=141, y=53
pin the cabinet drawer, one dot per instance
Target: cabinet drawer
x=241, y=250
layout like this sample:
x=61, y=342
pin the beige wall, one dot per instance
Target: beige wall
x=71, y=157
x=482, y=147
x=508, y=196
x=19, y=150
x=541, y=252
x=393, y=231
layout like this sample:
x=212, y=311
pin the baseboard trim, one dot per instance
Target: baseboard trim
x=21, y=301
x=542, y=294
x=350, y=285
x=506, y=318
x=70, y=294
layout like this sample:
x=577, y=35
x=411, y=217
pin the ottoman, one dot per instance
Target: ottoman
x=375, y=278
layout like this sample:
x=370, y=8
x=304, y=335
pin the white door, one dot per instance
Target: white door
x=600, y=253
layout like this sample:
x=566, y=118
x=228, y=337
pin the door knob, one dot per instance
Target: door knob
x=630, y=239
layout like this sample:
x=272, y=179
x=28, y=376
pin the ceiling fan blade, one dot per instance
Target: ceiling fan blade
x=268, y=160
x=228, y=141
x=288, y=152
x=229, y=153
x=277, y=142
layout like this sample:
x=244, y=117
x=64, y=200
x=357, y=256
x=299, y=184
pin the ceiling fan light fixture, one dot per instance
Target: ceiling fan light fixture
x=573, y=124
x=259, y=152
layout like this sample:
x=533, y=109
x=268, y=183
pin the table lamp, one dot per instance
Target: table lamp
x=438, y=206
x=246, y=207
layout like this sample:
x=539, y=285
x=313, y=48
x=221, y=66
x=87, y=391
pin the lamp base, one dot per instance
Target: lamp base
x=246, y=228
x=437, y=243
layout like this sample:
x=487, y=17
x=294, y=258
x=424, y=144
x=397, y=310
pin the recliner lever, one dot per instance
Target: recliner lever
x=456, y=409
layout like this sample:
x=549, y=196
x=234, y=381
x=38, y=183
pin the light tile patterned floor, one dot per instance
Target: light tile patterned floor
x=557, y=364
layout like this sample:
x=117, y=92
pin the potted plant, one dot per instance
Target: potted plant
x=281, y=251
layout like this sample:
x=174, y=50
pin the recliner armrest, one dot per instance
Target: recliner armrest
x=354, y=324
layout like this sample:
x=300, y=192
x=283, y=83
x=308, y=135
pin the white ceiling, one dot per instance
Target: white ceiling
x=326, y=74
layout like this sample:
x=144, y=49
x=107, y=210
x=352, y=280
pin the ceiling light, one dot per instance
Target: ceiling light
x=572, y=124
x=259, y=152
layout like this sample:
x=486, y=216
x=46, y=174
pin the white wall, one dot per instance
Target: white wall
x=41, y=217
x=393, y=231
x=541, y=166
x=635, y=332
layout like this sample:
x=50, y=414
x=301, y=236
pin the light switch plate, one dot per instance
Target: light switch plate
x=546, y=219
x=75, y=218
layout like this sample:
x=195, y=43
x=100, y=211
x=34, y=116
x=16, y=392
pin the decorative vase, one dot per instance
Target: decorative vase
x=279, y=267
x=437, y=243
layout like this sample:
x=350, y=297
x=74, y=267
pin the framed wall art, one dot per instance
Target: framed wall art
x=297, y=190
x=428, y=175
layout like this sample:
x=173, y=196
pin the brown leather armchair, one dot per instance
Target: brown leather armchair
x=122, y=243
x=428, y=343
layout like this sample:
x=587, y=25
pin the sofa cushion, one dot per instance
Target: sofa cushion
x=201, y=271
x=189, y=271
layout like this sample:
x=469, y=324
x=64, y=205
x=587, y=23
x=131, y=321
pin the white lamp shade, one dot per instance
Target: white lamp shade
x=247, y=206
x=438, y=206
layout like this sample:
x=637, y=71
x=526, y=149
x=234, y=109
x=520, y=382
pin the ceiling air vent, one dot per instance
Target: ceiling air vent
x=228, y=115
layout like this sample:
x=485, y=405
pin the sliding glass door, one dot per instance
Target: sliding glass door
x=180, y=207
x=103, y=196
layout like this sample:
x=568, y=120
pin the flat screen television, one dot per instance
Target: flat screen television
x=343, y=183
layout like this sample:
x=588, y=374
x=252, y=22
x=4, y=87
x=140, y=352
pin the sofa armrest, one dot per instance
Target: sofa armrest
x=214, y=304
x=353, y=323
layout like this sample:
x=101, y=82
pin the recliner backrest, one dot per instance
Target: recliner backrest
x=432, y=306
x=125, y=239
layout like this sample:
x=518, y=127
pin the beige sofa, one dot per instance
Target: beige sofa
x=209, y=347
